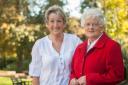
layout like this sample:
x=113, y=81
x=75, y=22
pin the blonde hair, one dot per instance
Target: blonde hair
x=55, y=9
x=93, y=12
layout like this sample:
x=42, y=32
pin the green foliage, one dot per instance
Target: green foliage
x=11, y=67
x=10, y=60
x=16, y=35
x=116, y=16
x=37, y=16
x=2, y=62
x=26, y=65
x=125, y=56
x=10, y=63
x=88, y=3
x=126, y=71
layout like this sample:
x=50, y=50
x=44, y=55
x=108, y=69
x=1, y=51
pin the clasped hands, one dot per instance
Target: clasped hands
x=80, y=81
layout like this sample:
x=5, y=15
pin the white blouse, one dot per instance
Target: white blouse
x=53, y=68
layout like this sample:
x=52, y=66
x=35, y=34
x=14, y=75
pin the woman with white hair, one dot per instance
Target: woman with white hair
x=52, y=54
x=98, y=60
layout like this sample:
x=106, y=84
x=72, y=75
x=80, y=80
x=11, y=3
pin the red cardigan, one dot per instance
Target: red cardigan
x=102, y=65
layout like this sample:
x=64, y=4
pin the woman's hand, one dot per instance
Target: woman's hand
x=74, y=81
x=82, y=80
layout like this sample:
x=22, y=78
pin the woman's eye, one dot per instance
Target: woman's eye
x=59, y=20
x=51, y=20
x=87, y=24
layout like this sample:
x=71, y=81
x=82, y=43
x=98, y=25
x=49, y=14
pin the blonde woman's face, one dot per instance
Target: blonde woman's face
x=55, y=23
x=93, y=28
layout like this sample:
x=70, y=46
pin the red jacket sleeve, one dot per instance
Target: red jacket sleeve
x=115, y=68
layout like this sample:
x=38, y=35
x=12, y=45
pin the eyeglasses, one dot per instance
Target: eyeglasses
x=93, y=25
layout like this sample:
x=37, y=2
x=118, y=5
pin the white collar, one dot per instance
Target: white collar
x=91, y=45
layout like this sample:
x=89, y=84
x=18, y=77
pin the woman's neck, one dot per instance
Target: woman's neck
x=56, y=41
x=91, y=39
x=95, y=38
x=56, y=38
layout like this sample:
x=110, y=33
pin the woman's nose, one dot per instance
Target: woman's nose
x=91, y=26
x=55, y=24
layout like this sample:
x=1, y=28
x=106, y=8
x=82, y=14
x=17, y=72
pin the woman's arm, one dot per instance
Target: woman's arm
x=35, y=65
x=35, y=81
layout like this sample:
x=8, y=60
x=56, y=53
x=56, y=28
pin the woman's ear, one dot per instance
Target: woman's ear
x=103, y=29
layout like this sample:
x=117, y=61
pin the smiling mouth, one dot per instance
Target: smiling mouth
x=55, y=30
x=90, y=31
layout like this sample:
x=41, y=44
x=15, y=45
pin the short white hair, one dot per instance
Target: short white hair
x=93, y=12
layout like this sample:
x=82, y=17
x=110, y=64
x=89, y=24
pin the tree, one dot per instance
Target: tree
x=37, y=9
x=116, y=15
x=20, y=30
x=19, y=36
x=88, y=3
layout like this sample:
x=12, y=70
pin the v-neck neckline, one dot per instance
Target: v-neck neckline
x=61, y=48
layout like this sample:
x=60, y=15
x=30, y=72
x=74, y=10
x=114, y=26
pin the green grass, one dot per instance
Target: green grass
x=5, y=81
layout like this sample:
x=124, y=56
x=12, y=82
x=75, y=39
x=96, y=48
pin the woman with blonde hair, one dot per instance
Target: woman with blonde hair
x=52, y=54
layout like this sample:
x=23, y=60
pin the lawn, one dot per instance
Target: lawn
x=5, y=81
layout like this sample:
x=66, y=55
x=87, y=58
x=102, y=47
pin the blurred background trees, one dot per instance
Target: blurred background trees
x=21, y=23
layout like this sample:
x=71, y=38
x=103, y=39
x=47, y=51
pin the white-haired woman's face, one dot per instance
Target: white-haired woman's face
x=93, y=28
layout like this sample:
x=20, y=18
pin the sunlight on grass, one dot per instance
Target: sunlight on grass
x=5, y=81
